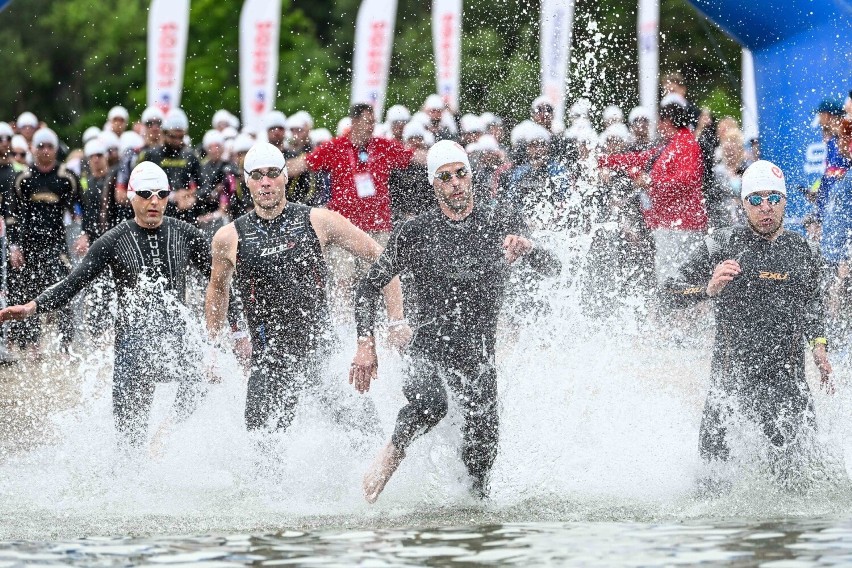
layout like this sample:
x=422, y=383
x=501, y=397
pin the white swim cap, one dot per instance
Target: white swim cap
x=130, y=140
x=397, y=113
x=443, y=153
x=763, y=175
x=94, y=146
x=146, y=176
x=6, y=130
x=176, y=120
x=27, y=118
x=264, y=155
x=213, y=137
x=45, y=136
x=91, y=133
x=152, y=113
x=118, y=112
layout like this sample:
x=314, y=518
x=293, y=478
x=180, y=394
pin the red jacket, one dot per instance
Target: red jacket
x=677, y=200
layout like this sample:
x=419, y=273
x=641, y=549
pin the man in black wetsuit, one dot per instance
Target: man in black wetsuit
x=38, y=252
x=765, y=286
x=149, y=257
x=275, y=256
x=459, y=254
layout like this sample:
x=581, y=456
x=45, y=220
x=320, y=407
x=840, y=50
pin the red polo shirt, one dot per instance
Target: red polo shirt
x=342, y=158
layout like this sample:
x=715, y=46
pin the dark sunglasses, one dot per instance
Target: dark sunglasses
x=271, y=173
x=147, y=193
x=19, y=154
x=151, y=123
x=756, y=200
x=5, y=138
x=461, y=173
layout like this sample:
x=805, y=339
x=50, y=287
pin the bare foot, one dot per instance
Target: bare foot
x=381, y=471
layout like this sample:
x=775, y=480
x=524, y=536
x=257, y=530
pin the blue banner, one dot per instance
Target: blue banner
x=3, y=4
x=801, y=57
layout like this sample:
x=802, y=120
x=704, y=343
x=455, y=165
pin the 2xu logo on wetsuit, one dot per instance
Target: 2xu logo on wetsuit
x=763, y=274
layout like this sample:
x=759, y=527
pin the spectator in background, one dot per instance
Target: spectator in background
x=612, y=115
x=360, y=165
x=670, y=179
x=20, y=152
x=674, y=84
x=489, y=164
x=639, y=121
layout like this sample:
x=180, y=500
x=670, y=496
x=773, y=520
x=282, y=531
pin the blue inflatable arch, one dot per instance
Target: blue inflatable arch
x=802, y=55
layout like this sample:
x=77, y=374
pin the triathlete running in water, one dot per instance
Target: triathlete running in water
x=275, y=257
x=149, y=257
x=459, y=255
x=765, y=285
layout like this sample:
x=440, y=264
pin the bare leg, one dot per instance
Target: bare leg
x=381, y=471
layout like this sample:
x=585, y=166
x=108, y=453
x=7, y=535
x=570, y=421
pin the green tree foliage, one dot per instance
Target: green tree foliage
x=71, y=60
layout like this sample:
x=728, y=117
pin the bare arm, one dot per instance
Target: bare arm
x=333, y=228
x=221, y=272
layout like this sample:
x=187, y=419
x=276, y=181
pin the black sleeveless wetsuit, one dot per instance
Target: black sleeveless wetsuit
x=149, y=268
x=281, y=278
x=460, y=275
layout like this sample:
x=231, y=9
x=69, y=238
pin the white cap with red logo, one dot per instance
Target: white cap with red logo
x=763, y=175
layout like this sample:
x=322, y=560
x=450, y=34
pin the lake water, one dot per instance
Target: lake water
x=598, y=466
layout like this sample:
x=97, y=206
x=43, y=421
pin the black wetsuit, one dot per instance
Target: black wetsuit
x=281, y=276
x=149, y=268
x=92, y=192
x=460, y=275
x=38, y=207
x=763, y=319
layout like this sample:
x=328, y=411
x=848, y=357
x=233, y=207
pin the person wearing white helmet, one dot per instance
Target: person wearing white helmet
x=94, y=185
x=459, y=254
x=538, y=185
x=612, y=115
x=275, y=257
x=152, y=119
x=181, y=165
x=218, y=182
x=117, y=119
x=27, y=124
x=410, y=191
x=396, y=118
x=275, y=125
x=221, y=120
x=309, y=188
x=90, y=133
x=639, y=122
x=434, y=107
x=148, y=258
x=44, y=194
x=20, y=153
x=765, y=284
